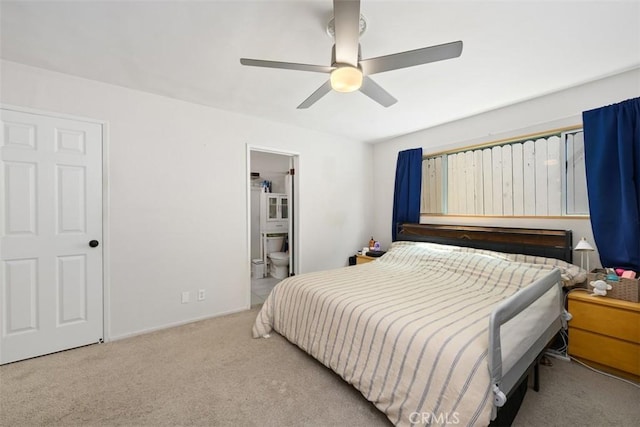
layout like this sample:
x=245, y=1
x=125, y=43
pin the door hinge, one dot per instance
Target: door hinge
x=292, y=171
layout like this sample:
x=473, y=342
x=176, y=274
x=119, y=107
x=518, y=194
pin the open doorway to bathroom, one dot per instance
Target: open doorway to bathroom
x=272, y=195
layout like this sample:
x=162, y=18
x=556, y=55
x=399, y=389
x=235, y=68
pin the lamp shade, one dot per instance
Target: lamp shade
x=583, y=245
x=346, y=79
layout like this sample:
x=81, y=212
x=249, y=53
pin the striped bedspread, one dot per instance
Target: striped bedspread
x=409, y=330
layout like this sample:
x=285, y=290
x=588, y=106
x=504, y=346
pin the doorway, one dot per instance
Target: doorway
x=272, y=214
x=51, y=247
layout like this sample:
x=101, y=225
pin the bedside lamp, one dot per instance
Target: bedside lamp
x=582, y=247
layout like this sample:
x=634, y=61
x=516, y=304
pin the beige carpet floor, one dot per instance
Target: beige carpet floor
x=212, y=373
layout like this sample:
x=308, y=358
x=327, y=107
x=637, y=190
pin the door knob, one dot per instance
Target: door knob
x=94, y=243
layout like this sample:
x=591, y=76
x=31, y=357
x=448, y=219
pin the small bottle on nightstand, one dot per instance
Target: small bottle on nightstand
x=372, y=244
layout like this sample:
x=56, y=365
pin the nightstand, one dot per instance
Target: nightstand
x=363, y=259
x=605, y=332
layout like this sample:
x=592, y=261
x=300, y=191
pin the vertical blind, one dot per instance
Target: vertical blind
x=536, y=177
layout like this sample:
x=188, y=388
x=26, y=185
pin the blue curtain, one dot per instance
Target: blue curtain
x=612, y=159
x=406, y=196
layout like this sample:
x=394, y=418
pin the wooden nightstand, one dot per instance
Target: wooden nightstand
x=605, y=332
x=362, y=259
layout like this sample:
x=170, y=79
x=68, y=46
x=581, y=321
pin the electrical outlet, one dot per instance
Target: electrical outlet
x=185, y=297
x=201, y=295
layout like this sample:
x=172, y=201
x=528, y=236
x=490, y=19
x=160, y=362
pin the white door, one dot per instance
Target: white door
x=51, y=235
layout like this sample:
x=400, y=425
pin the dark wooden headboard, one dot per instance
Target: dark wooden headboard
x=528, y=241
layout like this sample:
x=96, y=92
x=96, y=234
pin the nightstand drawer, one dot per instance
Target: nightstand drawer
x=362, y=259
x=621, y=355
x=592, y=315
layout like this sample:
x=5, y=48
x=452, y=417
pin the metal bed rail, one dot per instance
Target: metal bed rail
x=507, y=310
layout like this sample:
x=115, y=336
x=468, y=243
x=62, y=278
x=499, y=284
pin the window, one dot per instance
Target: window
x=541, y=176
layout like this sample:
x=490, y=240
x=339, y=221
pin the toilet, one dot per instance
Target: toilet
x=279, y=265
x=279, y=261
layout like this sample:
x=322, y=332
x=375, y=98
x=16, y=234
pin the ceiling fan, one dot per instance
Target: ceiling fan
x=348, y=71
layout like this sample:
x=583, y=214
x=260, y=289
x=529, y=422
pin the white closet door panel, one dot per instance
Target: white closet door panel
x=72, y=289
x=20, y=198
x=20, y=296
x=70, y=141
x=19, y=135
x=71, y=199
x=52, y=287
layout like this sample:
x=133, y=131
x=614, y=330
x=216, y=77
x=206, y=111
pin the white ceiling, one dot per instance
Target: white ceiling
x=513, y=51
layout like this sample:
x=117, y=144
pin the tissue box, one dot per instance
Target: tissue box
x=624, y=289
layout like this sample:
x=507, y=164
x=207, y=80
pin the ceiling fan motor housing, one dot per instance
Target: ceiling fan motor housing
x=331, y=26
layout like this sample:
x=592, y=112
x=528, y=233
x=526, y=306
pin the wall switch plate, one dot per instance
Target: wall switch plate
x=201, y=295
x=185, y=297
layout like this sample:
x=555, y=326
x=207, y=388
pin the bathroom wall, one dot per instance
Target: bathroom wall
x=272, y=167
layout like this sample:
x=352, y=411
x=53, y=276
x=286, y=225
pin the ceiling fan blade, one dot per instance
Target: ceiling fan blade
x=411, y=58
x=286, y=65
x=346, y=14
x=375, y=92
x=319, y=93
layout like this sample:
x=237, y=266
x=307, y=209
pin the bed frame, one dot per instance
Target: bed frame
x=528, y=241
x=509, y=387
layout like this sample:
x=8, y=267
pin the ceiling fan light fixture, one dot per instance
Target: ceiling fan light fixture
x=346, y=78
x=347, y=68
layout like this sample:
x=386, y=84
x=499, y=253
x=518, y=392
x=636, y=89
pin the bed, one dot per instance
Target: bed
x=439, y=330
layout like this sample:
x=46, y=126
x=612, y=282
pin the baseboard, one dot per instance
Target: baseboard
x=174, y=324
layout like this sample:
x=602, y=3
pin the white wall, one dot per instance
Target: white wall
x=540, y=114
x=177, y=217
